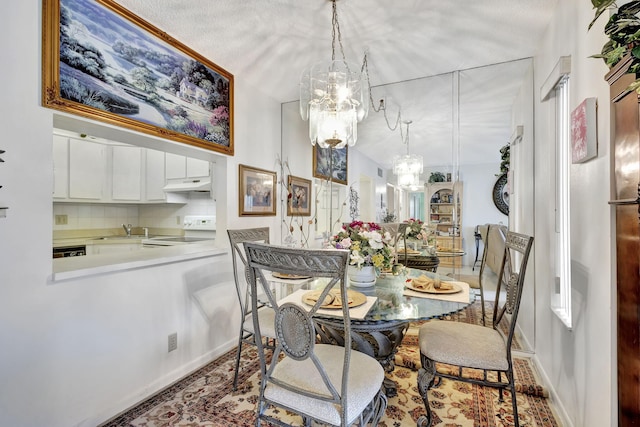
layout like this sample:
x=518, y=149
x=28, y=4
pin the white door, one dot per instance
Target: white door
x=154, y=175
x=87, y=164
x=126, y=173
x=60, y=167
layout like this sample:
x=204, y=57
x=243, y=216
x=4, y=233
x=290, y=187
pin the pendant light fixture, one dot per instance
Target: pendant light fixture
x=408, y=167
x=333, y=96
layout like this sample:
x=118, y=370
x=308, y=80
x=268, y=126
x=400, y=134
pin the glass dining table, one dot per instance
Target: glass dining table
x=381, y=330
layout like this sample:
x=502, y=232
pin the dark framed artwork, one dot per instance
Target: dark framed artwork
x=102, y=62
x=323, y=168
x=299, y=197
x=501, y=194
x=256, y=191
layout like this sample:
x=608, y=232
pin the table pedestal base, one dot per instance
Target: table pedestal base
x=379, y=340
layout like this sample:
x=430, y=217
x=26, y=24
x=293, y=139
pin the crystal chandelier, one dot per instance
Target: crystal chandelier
x=333, y=97
x=408, y=167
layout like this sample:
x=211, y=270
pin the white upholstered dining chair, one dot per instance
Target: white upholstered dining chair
x=330, y=384
x=482, y=348
x=266, y=315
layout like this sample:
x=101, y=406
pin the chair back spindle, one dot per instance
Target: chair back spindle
x=511, y=282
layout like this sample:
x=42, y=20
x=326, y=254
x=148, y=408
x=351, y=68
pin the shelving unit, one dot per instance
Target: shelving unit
x=445, y=213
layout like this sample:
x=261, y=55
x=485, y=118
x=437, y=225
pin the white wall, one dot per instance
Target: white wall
x=579, y=364
x=521, y=202
x=80, y=351
x=364, y=171
x=297, y=158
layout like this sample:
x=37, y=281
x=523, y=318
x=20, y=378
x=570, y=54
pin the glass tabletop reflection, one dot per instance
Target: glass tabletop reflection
x=392, y=304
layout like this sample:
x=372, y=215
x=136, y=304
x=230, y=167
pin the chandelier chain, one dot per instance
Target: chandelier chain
x=336, y=34
x=406, y=141
x=381, y=105
x=335, y=30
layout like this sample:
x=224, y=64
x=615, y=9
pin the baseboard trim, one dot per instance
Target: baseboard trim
x=557, y=403
x=157, y=386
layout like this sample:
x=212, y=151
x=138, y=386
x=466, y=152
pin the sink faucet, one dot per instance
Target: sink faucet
x=127, y=229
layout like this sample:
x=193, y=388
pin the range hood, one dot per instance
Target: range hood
x=186, y=185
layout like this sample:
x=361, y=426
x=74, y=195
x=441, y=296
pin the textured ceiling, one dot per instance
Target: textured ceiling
x=269, y=43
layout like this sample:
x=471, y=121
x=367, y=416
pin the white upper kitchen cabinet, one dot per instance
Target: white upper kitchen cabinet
x=87, y=167
x=178, y=166
x=154, y=175
x=197, y=168
x=60, y=167
x=102, y=171
x=126, y=173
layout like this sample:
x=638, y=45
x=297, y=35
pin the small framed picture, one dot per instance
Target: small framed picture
x=256, y=191
x=584, y=135
x=299, y=197
x=330, y=163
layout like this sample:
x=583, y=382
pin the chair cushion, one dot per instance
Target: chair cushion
x=463, y=344
x=365, y=379
x=267, y=319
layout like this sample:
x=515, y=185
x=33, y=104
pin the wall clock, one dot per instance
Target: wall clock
x=501, y=194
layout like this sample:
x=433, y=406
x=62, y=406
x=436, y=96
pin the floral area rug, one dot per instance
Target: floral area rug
x=205, y=398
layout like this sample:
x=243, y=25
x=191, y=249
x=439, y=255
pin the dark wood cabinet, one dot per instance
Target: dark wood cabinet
x=625, y=126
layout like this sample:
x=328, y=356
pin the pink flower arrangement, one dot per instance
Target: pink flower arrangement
x=366, y=243
x=415, y=228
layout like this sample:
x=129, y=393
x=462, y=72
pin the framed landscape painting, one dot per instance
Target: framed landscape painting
x=103, y=62
x=299, y=197
x=257, y=191
x=323, y=168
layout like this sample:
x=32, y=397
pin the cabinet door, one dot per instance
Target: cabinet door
x=197, y=168
x=126, y=173
x=60, y=167
x=87, y=165
x=176, y=166
x=154, y=175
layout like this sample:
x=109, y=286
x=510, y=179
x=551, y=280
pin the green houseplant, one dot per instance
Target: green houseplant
x=437, y=177
x=623, y=29
x=505, y=155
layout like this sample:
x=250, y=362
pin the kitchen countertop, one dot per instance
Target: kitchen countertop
x=82, y=266
x=109, y=240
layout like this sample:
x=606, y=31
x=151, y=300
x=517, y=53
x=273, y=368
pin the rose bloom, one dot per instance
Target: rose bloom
x=345, y=243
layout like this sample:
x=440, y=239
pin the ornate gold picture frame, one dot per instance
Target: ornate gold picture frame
x=102, y=62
